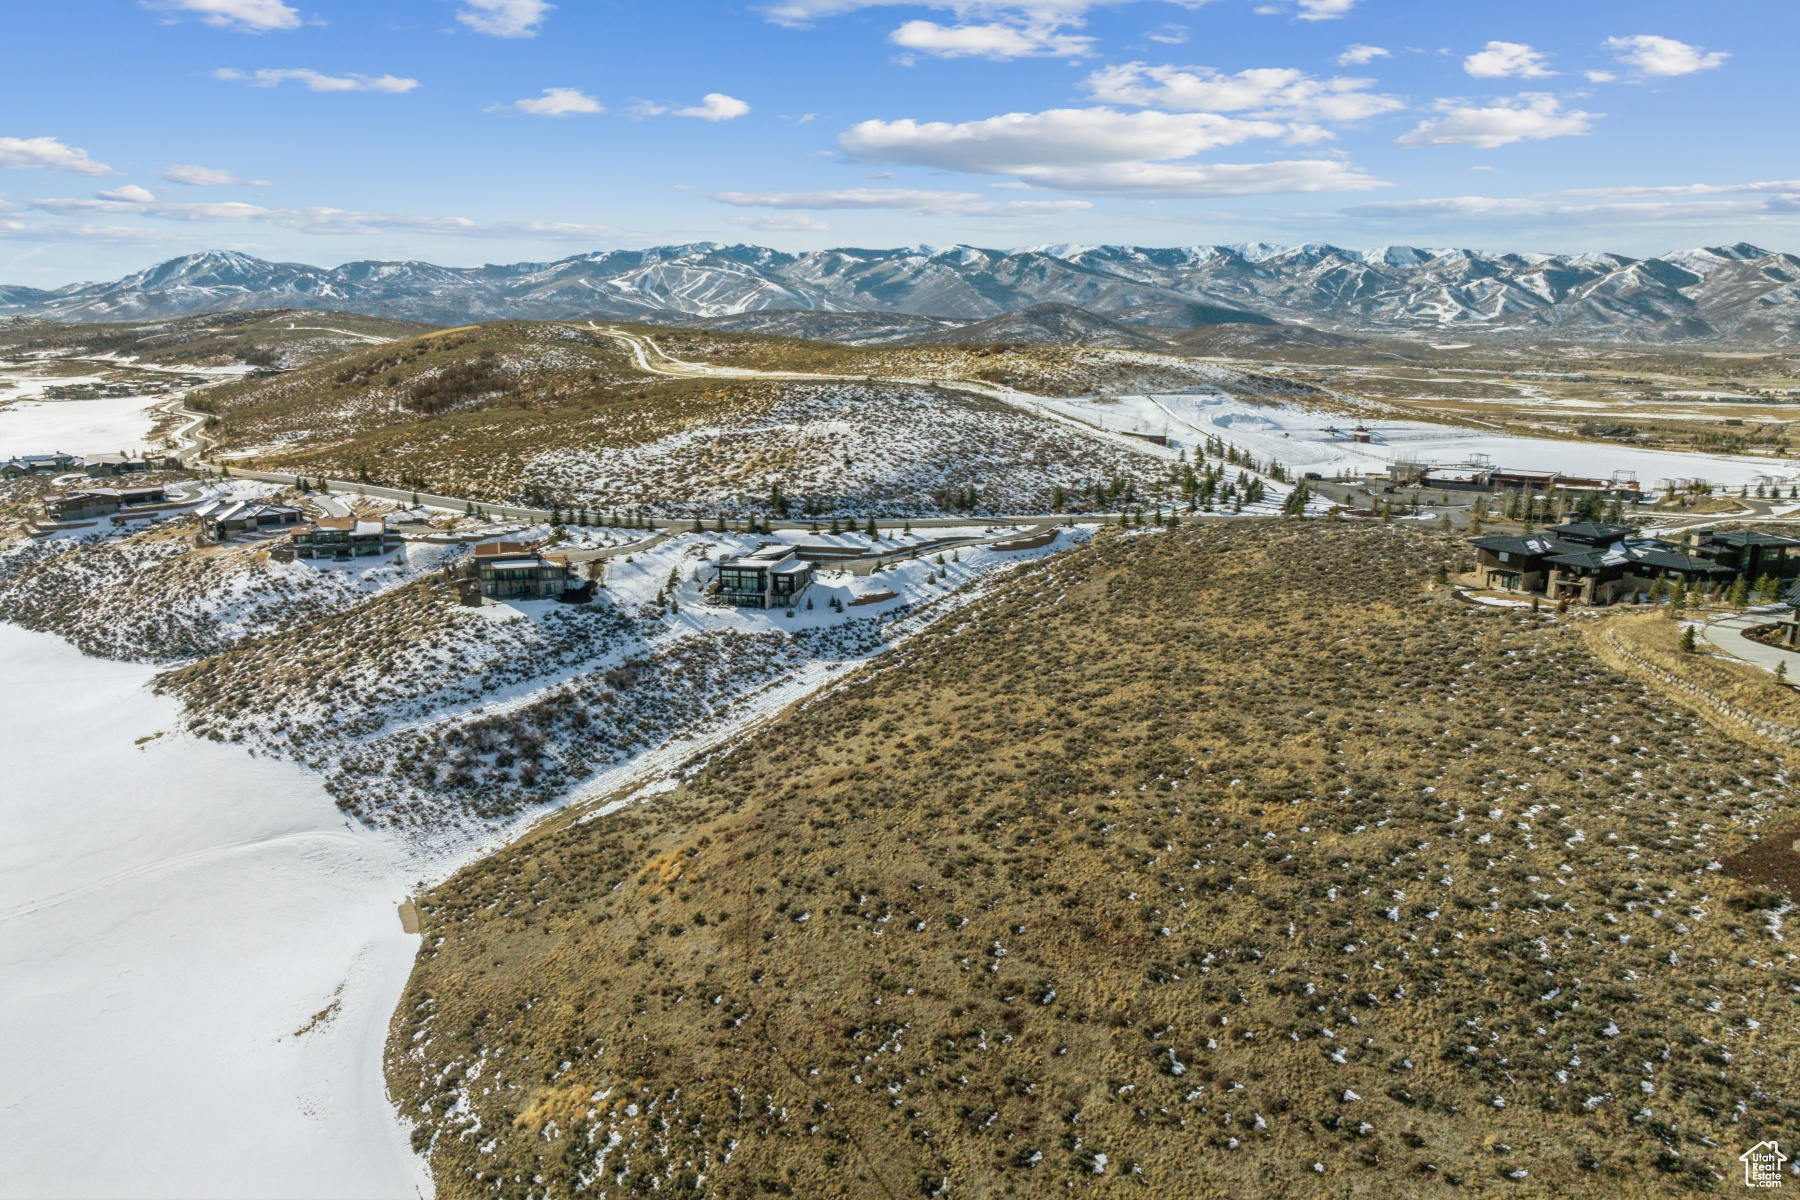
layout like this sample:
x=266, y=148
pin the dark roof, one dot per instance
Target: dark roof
x=1593, y=533
x=1670, y=560
x=1591, y=560
x=1531, y=545
x=1750, y=537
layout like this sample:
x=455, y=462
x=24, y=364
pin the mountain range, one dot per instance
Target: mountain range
x=1736, y=294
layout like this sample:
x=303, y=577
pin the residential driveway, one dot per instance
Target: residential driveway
x=1727, y=635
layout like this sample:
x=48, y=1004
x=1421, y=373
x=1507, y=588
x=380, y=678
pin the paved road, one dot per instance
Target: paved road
x=1727, y=634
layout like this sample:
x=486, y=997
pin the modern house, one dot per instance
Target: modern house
x=90, y=504
x=342, y=538
x=1750, y=553
x=98, y=465
x=771, y=576
x=513, y=571
x=38, y=464
x=1591, y=562
x=248, y=516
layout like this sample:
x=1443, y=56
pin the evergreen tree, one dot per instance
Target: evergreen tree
x=721, y=524
x=1687, y=639
x=698, y=527
x=874, y=534
x=1739, y=595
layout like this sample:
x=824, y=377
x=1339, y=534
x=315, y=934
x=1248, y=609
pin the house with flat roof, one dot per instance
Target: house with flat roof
x=342, y=538
x=772, y=576
x=514, y=571
x=90, y=504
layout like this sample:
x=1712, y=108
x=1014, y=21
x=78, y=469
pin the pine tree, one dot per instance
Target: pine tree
x=1687, y=639
x=721, y=524
x=1739, y=595
x=874, y=534
x=698, y=527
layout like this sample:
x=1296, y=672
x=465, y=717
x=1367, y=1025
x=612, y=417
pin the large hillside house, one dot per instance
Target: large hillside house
x=90, y=504
x=342, y=538
x=230, y=517
x=513, y=571
x=772, y=576
x=1595, y=563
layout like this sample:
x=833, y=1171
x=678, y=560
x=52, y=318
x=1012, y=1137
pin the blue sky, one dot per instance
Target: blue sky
x=470, y=131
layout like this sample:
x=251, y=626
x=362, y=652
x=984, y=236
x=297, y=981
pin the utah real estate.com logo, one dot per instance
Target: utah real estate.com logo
x=1762, y=1165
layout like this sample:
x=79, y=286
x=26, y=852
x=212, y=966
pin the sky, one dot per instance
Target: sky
x=489, y=131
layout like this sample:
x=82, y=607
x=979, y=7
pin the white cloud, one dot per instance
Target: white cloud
x=1324, y=10
x=130, y=192
x=958, y=204
x=1530, y=116
x=504, y=18
x=244, y=16
x=197, y=176
x=1356, y=54
x=316, y=82
x=715, y=106
x=48, y=154
x=994, y=41
x=1279, y=92
x=1766, y=203
x=320, y=220
x=1061, y=136
x=1198, y=180
x=782, y=223
x=800, y=13
x=1661, y=56
x=1503, y=60
x=1169, y=34
x=555, y=102
x=1099, y=150
x=1600, y=76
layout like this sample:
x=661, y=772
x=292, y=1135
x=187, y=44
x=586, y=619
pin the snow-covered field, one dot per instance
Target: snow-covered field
x=108, y=426
x=1303, y=440
x=172, y=914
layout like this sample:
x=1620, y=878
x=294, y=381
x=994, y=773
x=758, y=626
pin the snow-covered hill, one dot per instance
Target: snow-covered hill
x=1740, y=293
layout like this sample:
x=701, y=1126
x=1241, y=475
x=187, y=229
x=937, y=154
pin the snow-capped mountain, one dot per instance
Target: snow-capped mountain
x=1735, y=293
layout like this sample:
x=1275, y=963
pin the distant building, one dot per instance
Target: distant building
x=342, y=538
x=513, y=571
x=770, y=577
x=99, y=465
x=38, y=464
x=90, y=504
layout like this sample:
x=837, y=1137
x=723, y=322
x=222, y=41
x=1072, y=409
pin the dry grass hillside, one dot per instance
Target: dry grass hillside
x=559, y=415
x=1220, y=862
x=278, y=338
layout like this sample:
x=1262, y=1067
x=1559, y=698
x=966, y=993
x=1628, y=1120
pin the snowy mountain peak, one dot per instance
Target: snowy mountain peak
x=1735, y=292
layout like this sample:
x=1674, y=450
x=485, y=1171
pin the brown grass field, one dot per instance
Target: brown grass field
x=1231, y=861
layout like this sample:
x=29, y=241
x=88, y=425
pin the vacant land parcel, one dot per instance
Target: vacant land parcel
x=1223, y=861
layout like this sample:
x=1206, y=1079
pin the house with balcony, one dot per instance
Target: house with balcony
x=343, y=538
x=772, y=576
x=513, y=571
